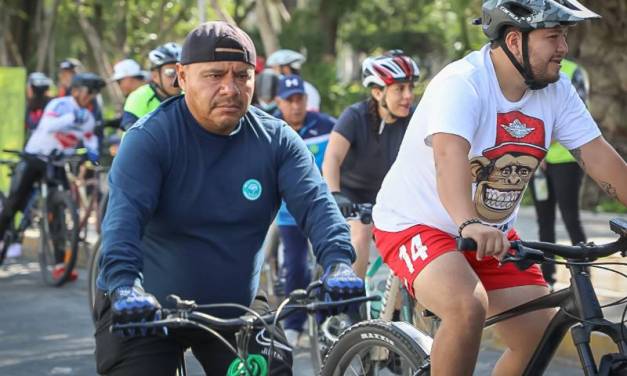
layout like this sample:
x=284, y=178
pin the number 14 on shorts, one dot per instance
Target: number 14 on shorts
x=417, y=250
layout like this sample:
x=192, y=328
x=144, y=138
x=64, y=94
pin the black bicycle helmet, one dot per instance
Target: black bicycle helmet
x=165, y=54
x=91, y=81
x=529, y=15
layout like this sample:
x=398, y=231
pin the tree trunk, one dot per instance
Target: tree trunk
x=224, y=15
x=600, y=46
x=328, y=24
x=4, y=29
x=120, y=35
x=269, y=37
x=100, y=57
x=44, y=42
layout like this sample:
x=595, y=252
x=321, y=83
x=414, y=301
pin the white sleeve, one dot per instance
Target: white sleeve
x=89, y=138
x=574, y=125
x=313, y=97
x=452, y=106
x=57, y=116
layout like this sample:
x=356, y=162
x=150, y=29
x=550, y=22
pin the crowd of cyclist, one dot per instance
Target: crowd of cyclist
x=354, y=152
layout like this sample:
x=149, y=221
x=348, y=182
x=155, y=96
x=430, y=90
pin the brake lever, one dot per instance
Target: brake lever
x=524, y=257
x=181, y=303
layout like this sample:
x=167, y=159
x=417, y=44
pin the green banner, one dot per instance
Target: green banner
x=13, y=104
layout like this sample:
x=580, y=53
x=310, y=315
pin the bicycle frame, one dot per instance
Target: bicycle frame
x=578, y=300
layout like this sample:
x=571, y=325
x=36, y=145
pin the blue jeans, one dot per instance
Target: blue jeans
x=298, y=274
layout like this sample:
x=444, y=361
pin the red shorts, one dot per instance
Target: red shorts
x=407, y=252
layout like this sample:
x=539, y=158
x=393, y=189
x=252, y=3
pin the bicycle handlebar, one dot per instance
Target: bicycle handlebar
x=363, y=212
x=186, y=313
x=528, y=253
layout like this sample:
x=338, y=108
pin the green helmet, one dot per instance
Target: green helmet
x=529, y=15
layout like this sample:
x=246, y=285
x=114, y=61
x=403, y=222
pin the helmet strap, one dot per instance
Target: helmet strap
x=524, y=69
x=158, y=89
x=384, y=104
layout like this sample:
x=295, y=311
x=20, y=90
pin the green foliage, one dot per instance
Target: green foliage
x=611, y=206
x=128, y=28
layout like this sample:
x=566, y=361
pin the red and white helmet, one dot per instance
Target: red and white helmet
x=394, y=66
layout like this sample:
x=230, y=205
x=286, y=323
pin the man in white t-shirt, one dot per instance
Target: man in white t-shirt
x=481, y=129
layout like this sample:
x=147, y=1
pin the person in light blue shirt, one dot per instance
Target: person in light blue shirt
x=314, y=128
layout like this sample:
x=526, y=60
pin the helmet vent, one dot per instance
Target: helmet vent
x=519, y=10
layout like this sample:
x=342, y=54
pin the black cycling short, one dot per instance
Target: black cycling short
x=159, y=355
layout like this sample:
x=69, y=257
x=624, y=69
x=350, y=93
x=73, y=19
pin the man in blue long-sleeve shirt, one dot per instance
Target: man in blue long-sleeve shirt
x=193, y=191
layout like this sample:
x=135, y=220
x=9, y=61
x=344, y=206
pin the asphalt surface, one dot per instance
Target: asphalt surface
x=48, y=331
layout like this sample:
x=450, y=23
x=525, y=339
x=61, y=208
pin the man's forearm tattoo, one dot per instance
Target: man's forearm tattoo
x=577, y=154
x=609, y=189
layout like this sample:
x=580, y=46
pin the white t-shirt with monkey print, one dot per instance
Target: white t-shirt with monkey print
x=508, y=141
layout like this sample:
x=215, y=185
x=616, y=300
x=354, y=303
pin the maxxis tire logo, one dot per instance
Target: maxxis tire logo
x=377, y=336
x=252, y=189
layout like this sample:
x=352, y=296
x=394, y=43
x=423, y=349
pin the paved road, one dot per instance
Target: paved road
x=48, y=331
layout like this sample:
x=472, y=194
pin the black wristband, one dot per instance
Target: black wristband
x=466, y=223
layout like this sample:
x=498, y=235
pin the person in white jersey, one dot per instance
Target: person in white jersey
x=480, y=131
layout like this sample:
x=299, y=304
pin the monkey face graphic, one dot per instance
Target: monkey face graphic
x=500, y=184
x=502, y=171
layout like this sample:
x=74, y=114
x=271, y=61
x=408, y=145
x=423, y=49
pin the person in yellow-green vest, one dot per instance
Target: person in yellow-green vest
x=558, y=181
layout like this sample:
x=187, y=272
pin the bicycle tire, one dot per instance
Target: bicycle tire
x=92, y=274
x=7, y=238
x=359, y=344
x=58, y=234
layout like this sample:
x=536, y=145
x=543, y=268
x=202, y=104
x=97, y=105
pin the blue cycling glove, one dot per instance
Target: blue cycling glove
x=93, y=156
x=340, y=282
x=133, y=304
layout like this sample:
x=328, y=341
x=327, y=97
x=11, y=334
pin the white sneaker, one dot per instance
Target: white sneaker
x=292, y=337
x=15, y=250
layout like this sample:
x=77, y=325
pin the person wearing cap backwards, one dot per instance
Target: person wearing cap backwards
x=314, y=128
x=481, y=129
x=147, y=97
x=129, y=76
x=193, y=190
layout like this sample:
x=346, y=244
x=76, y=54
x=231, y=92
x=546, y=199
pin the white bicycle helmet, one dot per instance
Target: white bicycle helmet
x=394, y=66
x=165, y=54
x=38, y=79
x=286, y=57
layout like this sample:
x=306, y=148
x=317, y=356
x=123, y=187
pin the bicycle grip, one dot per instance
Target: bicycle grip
x=466, y=244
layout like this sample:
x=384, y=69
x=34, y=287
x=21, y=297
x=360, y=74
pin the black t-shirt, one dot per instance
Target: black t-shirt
x=371, y=154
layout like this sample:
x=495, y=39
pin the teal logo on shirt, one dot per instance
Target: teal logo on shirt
x=252, y=189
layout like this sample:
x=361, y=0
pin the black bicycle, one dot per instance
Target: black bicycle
x=52, y=209
x=370, y=346
x=187, y=314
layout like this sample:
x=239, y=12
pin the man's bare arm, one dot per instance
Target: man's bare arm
x=599, y=160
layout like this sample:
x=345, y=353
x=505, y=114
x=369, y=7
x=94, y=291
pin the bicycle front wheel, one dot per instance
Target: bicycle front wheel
x=378, y=347
x=58, y=243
